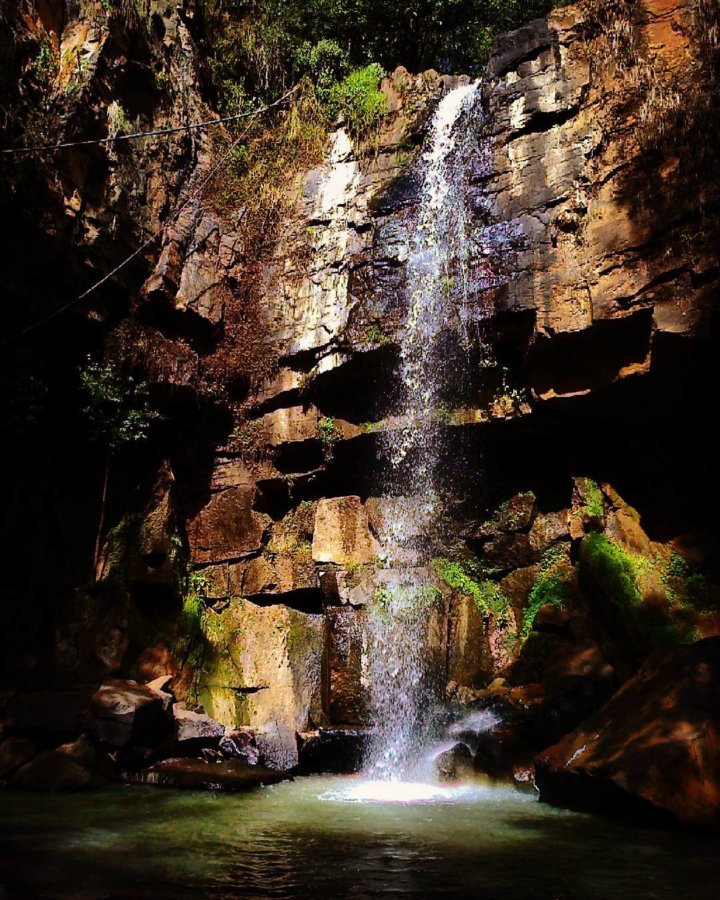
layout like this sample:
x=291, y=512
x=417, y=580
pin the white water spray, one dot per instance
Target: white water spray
x=404, y=628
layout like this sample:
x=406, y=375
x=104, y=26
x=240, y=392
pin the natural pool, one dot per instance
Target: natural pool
x=301, y=839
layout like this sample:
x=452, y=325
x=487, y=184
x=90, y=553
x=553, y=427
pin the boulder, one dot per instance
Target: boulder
x=277, y=745
x=195, y=731
x=54, y=770
x=455, y=764
x=264, y=666
x=15, y=752
x=127, y=712
x=161, y=683
x=85, y=753
x=548, y=529
x=196, y=774
x=240, y=744
x=497, y=751
x=652, y=750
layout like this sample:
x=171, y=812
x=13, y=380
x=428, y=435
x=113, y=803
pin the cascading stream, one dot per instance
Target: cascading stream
x=404, y=616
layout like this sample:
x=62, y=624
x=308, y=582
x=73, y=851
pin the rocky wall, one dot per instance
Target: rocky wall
x=246, y=571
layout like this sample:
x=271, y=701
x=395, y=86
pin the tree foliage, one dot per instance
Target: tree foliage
x=118, y=407
x=268, y=43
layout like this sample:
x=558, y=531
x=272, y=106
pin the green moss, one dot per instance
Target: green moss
x=593, y=511
x=613, y=572
x=553, y=586
x=611, y=567
x=488, y=596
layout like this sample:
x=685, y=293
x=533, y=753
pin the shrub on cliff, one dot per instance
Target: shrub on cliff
x=357, y=99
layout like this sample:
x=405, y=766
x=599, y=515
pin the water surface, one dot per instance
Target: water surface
x=315, y=838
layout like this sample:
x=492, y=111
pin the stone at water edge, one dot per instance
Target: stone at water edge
x=195, y=731
x=240, y=744
x=455, y=764
x=54, y=770
x=652, y=750
x=195, y=774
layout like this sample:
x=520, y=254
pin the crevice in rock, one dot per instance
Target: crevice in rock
x=304, y=600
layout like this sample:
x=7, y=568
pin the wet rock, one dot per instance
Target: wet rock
x=347, y=701
x=509, y=551
x=195, y=731
x=195, y=774
x=240, y=744
x=85, y=753
x=653, y=750
x=342, y=533
x=516, y=514
x=127, y=712
x=338, y=751
x=211, y=756
x=277, y=746
x=470, y=663
x=497, y=751
x=455, y=764
x=15, y=752
x=264, y=666
x=548, y=529
x=54, y=770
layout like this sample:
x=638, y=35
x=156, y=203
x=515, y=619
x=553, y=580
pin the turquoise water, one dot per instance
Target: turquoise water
x=306, y=839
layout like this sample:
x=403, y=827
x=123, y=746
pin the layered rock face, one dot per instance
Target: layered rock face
x=570, y=367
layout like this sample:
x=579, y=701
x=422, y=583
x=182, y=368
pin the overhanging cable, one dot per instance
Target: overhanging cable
x=172, y=218
x=46, y=148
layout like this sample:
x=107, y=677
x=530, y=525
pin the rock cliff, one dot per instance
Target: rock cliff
x=242, y=551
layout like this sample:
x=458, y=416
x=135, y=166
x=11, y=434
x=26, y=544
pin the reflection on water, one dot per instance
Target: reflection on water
x=288, y=841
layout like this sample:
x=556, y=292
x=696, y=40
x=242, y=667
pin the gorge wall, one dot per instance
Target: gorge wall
x=579, y=498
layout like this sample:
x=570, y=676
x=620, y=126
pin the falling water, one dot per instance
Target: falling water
x=405, y=624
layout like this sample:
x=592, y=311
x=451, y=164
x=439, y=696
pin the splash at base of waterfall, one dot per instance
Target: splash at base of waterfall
x=403, y=792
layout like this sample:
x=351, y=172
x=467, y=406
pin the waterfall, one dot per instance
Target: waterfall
x=405, y=624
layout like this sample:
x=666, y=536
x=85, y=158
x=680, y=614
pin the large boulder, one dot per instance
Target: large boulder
x=653, y=749
x=127, y=712
x=263, y=666
x=53, y=770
